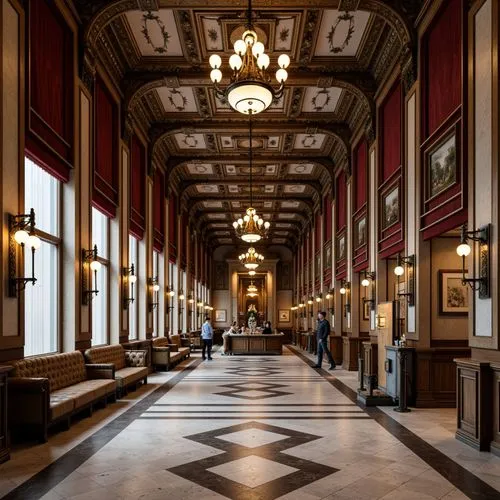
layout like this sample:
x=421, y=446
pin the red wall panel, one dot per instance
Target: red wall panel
x=442, y=56
x=159, y=210
x=317, y=231
x=172, y=227
x=341, y=198
x=105, y=177
x=359, y=171
x=50, y=86
x=137, y=187
x=327, y=217
x=391, y=132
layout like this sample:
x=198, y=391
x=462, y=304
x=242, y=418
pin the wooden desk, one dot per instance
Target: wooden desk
x=255, y=344
x=4, y=441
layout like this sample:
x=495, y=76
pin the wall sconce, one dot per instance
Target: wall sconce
x=301, y=306
x=182, y=298
x=310, y=302
x=482, y=236
x=131, y=278
x=319, y=297
x=329, y=296
x=89, y=257
x=381, y=321
x=399, y=270
x=22, y=232
x=169, y=294
x=156, y=288
x=368, y=283
x=345, y=288
x=190, y=303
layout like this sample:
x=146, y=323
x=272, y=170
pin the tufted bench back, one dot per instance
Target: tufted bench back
x=107, y=354
x=160, y=342
x=175, y=339
x=62, y=370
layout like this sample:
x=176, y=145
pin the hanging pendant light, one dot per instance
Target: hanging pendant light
x=251, y=259
x=252, y=290
x=250, y=90
x=251, y=228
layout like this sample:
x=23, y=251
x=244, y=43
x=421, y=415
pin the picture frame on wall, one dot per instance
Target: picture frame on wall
x=390, y=208
x=441, y=165
x=328, y=256
x=360, y=232
x=366, y=310
x=220, y=316
x=341, y=248
x=453, y=294
x=284, y=316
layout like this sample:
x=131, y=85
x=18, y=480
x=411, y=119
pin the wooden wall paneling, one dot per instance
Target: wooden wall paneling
x=495, y=444
x=474, y=403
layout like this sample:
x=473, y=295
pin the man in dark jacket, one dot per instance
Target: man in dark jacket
x=322, y=333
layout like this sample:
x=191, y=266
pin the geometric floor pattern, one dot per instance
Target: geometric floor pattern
x=252, y=391
x=251, y=371
x=253, y=471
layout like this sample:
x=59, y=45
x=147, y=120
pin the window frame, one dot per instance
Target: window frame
x=105, y=262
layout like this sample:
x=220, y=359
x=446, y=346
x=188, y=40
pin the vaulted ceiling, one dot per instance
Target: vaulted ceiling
x=156, y=52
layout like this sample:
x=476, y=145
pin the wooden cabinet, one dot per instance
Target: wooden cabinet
x=4, y=441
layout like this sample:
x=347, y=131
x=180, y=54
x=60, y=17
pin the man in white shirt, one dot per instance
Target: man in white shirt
x=207, y=335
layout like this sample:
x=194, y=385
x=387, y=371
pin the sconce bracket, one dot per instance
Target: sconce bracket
x=481, y=284
x=410, y=274
x=87, y=295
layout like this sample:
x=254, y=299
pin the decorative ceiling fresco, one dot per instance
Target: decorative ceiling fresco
x=156, y=53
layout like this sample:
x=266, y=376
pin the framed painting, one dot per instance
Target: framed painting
x=390, y=208
x=327, y=257
x=220, y=316
x=442, y=165
x=360, y=232
x=366, y=310
x=453, y=294
x=284, y=316
x=341, y=249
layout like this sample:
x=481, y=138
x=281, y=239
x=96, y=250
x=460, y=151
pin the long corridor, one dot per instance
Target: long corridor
x=241, y=428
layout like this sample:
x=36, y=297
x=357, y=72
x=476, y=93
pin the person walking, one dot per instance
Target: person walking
x=207, y=335
x=322, y=333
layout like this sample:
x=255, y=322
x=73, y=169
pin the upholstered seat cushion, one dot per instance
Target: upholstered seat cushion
x=126, y=376
x=107, y=354
x=85, y=392
x=60, y=405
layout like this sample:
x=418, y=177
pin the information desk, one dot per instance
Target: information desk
x=255, y=344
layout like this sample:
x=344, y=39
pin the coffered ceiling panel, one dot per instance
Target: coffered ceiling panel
x=200, y=169
x=341, y=34
x=309, y=141
x=190, y=141
x=321, y=99
x=179, y=100
x=155, y=33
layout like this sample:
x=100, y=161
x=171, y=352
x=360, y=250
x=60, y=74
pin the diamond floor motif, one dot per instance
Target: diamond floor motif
x=252, y=438
x=252, y=473
x=251, y=371
x=253, y=391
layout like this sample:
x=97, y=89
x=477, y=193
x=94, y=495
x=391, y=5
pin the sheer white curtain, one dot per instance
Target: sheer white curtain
x=41, y=301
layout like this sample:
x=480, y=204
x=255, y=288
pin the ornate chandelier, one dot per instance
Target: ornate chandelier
x=251, y=259
x=250, y=90
x=251, y=228
x=252, y=290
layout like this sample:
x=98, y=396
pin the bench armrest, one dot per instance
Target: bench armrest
x=161, y=349
x=136, y=357
x=28, y=400
x=173, y=347
x=100, y=371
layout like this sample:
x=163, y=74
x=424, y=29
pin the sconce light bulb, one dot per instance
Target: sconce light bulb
x=156, y=288
x=95, y=265
x=310, y=302
x=399, y=270
x=318, y=299
x=328, y=296
x=365, y=282
x=34, y=242
x=133, y=278
x=181, y=296
x=463, y=250
x=171, y=293
x=343, y=291
x=21, y=236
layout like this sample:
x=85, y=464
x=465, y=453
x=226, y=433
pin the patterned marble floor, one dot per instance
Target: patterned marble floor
x=256, y=428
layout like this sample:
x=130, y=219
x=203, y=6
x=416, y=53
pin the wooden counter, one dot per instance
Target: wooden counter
x=255, y=344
